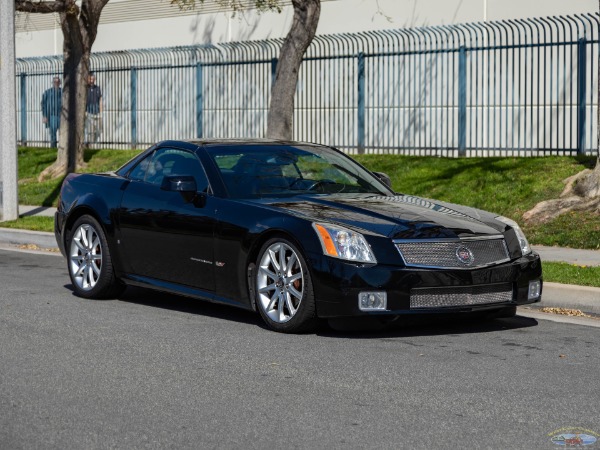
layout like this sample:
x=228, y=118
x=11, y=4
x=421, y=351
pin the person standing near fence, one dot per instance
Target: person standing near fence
x=51, y=107
x=93, y=111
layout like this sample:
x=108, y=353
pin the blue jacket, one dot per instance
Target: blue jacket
x=52, y=102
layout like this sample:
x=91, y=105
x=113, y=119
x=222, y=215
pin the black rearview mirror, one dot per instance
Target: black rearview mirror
x=179, y=183
x=384, y=178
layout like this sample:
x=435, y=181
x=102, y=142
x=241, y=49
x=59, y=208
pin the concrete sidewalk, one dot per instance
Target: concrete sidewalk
x=556, y=295
x=570, y=255
x=27, y=210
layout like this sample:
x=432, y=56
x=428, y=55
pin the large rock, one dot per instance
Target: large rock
x=581, y=193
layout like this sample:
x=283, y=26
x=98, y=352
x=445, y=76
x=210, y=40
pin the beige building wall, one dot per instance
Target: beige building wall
x=131, y=24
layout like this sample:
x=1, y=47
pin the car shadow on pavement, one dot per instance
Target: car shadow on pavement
x=354, y=328
x=180, y=303
x=429, y=325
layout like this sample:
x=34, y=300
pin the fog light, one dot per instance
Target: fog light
x=372, y=301
x=535, y=289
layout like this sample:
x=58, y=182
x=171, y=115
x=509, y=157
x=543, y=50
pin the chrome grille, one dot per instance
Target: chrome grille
x=461, y=296
x=444, y=254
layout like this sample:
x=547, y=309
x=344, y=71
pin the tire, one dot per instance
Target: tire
x=89, y=263
x=284, y=293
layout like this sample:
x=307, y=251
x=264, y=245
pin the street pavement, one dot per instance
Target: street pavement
x=153, y=370
x=557, y=295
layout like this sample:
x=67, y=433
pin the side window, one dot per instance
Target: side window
x=139, y=172
x=169, y=162
x=227, y=163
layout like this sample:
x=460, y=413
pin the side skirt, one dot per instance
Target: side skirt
x=173, y=288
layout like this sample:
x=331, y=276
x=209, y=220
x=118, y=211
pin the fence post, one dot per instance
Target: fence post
x=462, y=101
x=199, y=101
x=23, y=79
x=274, y=63
x=133, y=107
x=360, y=125
x=581, y=87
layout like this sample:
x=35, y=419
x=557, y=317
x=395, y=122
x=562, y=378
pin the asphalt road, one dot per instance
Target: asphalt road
x=158, y=371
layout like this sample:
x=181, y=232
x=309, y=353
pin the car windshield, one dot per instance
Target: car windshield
x=256, y=171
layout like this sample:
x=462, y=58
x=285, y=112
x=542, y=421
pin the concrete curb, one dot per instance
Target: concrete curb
x=530, y=312
x=22, y=237
x=584, y=298
x=555, y=295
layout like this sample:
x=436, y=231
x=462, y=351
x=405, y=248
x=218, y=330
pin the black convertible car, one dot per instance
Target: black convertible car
x=296, y=231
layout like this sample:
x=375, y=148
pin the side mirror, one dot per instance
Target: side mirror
x=179, y=183
x=187, y=187
x=384, y=178
x=199, y=200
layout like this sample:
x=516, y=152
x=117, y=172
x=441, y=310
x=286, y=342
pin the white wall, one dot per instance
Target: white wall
x=131, y=24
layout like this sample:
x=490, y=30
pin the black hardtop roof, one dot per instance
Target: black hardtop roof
x=222, y=142
x=217, y=142
x=243, y=141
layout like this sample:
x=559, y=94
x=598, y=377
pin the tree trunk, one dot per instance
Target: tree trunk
x=582, y=191
x=79, y=27
x=76, y=68
x=281, y=109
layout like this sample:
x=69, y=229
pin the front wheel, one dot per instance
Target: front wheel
x=284, y=291
x=89, y=261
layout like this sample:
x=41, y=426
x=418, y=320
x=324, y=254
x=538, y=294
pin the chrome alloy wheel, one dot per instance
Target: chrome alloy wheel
x=280, y=282
x=85, y=257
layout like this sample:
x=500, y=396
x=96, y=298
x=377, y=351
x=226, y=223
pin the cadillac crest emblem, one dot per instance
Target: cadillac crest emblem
x=464, y=255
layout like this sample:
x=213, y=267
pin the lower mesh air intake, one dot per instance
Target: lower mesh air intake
x=461, y=296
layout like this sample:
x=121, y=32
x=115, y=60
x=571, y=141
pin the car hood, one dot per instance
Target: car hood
x=397, y=216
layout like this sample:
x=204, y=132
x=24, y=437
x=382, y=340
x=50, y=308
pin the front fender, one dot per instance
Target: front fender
x=98, y=196
x=241, y=231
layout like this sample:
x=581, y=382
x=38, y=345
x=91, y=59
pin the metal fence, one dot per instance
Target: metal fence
x=521, y=87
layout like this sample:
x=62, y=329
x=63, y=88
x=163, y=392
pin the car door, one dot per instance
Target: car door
x=164, y=234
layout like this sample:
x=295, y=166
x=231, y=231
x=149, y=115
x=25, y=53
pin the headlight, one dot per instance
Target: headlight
x=342, y=243
x=525, y=248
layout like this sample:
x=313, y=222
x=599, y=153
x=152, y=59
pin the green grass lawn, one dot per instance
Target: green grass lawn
x=33, y=223
x=33, y=160
x=507, y=186
x=559, y=272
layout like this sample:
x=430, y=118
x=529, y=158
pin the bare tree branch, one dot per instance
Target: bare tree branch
x=89, y=19
x=43, y=7
x=233, y=5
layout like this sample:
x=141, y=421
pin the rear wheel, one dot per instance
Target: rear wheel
x=284, y=291
x=89, y=261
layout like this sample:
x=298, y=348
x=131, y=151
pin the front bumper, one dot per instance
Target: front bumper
x=337, y=285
